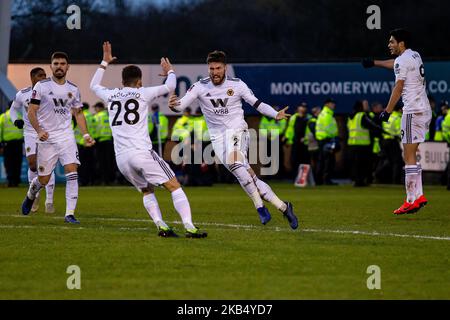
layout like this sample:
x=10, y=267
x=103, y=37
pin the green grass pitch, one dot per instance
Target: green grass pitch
x=343, y=231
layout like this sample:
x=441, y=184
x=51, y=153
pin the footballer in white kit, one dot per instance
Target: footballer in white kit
x=136, y=159
x=220, y=98
x=410, y=85
x=53, y=102
x=20, y=107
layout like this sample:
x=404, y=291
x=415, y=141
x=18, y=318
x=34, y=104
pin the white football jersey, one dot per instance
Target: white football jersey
x=55, y=105
x=20, y=103
x=409, y=67
x=221, y=105
x=128, y=112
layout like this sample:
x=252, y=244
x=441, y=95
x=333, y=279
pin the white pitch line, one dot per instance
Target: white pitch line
x=236, y=226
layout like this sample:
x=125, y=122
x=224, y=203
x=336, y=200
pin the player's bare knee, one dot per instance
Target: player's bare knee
x=148, y=190
x=69, y=168
x=172, y=185
x=43, y=180
x=235, y=156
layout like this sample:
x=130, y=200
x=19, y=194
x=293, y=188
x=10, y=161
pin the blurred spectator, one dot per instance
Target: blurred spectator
x=391, y=162
x=87, y=154
x=311, y=142
x=199, y=174
x=327, y=137
x=375, y=137
x=446, y=137
x=440, y=119
x=429, y=136
x=11, y=138
x=296, y=136
x=359, y=126
x=271, y=130
x=183, y=127
x=158, y=128
x=106, y=162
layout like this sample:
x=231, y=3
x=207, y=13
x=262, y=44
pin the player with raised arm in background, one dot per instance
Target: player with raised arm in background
x=53, y=102
x=136, y=159
x=220, y=98
x=20, y=106
x=410, y=85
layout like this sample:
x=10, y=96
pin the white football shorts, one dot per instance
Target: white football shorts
x=143, y=168
x=229, y=141
x=49, y=153
x=415, y=126
x=30, y=144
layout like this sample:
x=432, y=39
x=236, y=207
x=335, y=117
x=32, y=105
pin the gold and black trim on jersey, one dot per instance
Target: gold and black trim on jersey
x=205, y=80
x=26, y=90
x=45, y=80
x=233, y=79
x=71, y=83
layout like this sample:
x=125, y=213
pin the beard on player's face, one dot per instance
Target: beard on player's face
x=218, y=78
x=59, y=73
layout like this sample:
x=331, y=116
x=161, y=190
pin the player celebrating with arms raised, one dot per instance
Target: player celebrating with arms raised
x=53, y=101
x=410, y=86
x=136, y=159
x=220, y=99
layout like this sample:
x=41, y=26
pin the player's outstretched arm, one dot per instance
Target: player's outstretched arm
x=95, y=84
x=369, y=63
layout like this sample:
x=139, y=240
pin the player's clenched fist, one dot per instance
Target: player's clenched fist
x=88, y=140
x=174, y=102
x=43, y=135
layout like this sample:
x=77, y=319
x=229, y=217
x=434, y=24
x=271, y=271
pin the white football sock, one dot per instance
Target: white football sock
x=50, y=189
x=34, y=188
x=268, y=195
x=71, y=192
x=152, y=207
x=247, y=183
x=181, y=204
x=410, y=182
x=419, y=188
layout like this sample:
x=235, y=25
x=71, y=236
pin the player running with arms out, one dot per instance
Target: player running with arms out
x=220, y=99
x=143, y=167
x=410, y=86
x=20, y=107
x=53, y=102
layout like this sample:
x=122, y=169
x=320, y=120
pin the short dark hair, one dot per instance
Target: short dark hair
x=35, y=71
x=401, y=35
x=99, y=105
x=131, y=74
x=217, y=56
x=59, y=55
x=358, y=106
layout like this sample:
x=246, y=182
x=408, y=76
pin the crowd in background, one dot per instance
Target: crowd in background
x=371, y=149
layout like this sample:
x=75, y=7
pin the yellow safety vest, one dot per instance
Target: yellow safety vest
x=357, y=134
